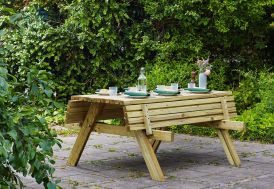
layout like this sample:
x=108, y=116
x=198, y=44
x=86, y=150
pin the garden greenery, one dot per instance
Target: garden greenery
x=91, y=44
x=256, y=95
x=25, y=140
x=76, y=46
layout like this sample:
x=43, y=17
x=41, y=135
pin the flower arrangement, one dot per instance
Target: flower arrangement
x=204, y=66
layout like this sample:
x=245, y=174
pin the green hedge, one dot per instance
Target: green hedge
x=257, y=95
x=93, y=44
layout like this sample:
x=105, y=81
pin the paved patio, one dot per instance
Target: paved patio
x=110, y=161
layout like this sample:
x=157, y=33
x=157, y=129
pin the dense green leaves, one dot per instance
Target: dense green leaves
x=93, y=44
x=25, y=140
x=259, y=115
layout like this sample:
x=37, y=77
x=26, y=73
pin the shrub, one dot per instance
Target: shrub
x=260, y=118
x=165, y=74
x=93, y=44
x=247, y=94
x=25, y=140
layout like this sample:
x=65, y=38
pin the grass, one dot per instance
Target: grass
x=67, y=132
x=98, y=146
x=130, y=154
x=248, y=154
x=112, y=150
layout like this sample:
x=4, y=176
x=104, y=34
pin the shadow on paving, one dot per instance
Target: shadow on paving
x=110, y=161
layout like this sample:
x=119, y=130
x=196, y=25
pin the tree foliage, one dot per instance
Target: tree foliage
x=92, y=44
x=26, y=142
x=255, y=98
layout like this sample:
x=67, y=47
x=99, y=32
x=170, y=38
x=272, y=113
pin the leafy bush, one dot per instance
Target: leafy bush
x=92, y=44
x=25, y=140
x=247, y=95
x=165, y=74
x=260, y=118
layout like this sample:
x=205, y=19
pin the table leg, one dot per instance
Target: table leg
x=150, y=158
x=155, y=144
x=83, y=135
x=229, y=148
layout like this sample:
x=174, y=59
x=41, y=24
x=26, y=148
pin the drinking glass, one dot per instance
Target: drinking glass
x=132, y=89
x=174, y=86
x=160, y=87
x=191, y=85
x=113, y=91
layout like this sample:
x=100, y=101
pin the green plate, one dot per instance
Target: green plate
x=135, y=93
x=197, y=90
x=167, y=93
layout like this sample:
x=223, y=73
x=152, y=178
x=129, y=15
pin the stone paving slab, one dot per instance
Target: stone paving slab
x=190, y=162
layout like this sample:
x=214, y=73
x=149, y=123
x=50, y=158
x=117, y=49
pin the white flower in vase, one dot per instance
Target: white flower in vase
x=205, y=70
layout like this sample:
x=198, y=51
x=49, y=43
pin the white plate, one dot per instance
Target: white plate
x=167, y=94
x=127, y=96
x=99, y=93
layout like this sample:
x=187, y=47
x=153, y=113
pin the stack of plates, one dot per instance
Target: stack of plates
x=166, y=92
x=102, y=92
x=136, y=94
x=197, y=90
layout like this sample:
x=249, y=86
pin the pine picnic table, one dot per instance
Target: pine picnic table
x=147, y=120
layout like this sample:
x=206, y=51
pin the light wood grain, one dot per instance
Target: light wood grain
x=181, y=109
x=178, y=122
x=146, y=115
x=167, y=136
x=231, y=148
x=225, y=147
x=161, y=135
x=177, y=103
x=156, y=144
x=224, y=124
x=149, y=156
x=78, y=117
x=88, y=125
x=180, y=115
x=231, y=125
x=77, y=103
x=146, y=119
x=128, y=101
x=113, y=129
x=224, y=135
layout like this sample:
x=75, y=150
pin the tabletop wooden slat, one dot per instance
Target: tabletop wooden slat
x=122, y=100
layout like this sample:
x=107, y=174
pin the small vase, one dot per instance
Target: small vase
x=202, y=80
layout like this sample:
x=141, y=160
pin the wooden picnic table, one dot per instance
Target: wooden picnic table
x=147, y=120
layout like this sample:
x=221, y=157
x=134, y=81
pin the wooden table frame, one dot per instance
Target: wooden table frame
x=146, y=119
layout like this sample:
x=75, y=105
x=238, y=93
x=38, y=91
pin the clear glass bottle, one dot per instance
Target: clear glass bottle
x=142, y=81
